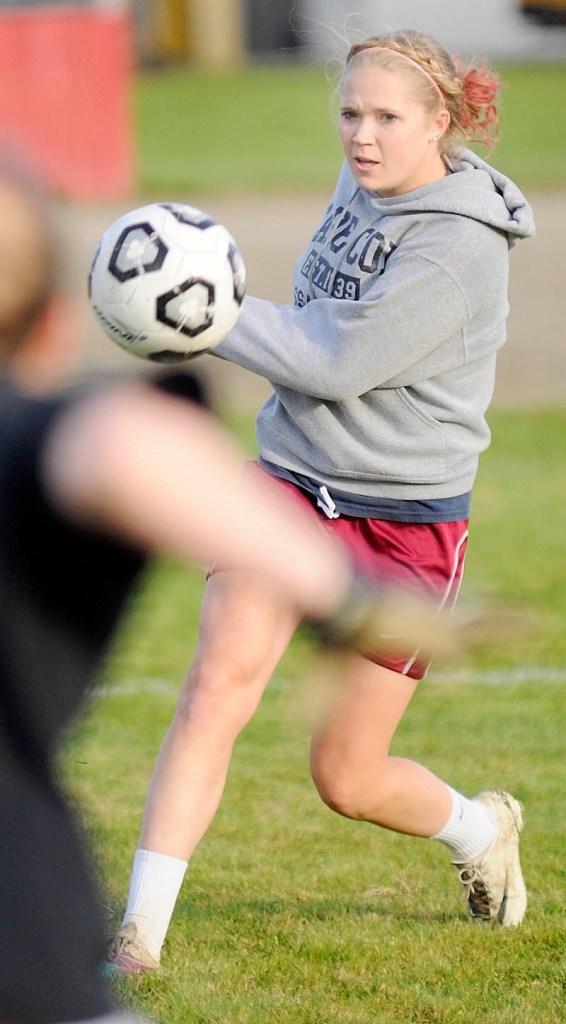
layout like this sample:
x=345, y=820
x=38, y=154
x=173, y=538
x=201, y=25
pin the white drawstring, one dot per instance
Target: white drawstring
x=325, y=502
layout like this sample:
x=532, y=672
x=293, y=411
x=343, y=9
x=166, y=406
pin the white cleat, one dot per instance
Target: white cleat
x=493, y=882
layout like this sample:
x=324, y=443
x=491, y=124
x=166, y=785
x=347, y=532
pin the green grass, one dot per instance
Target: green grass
x=531, y=149
x=292, y=915
x=272, y=127
x=267, y=128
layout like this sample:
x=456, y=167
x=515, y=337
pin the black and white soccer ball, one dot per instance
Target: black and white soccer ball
x=166, y=282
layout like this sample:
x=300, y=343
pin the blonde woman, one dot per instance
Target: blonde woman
x=382, y=371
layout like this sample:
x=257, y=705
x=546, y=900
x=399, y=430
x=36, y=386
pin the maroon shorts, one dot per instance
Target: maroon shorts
x=427, y=558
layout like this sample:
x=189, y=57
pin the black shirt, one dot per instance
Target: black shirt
x=62, y=590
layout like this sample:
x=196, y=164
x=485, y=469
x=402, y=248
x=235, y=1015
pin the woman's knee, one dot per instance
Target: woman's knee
x=338, y=793
x=244, y=629
x=219, y=691
x=353, y=791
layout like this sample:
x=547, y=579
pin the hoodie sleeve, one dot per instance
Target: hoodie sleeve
x=336, y=349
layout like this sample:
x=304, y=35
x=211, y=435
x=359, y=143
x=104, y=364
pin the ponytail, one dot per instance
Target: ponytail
x=479, y=116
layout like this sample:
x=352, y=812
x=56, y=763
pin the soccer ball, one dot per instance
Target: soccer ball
x=166, y=282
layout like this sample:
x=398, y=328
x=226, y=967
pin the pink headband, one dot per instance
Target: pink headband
x=403, y=56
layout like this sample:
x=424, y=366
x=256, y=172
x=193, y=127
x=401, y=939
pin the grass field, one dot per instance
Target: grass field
x=290, y=915
x=274, y=127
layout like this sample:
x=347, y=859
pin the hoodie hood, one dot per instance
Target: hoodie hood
x=472, y=189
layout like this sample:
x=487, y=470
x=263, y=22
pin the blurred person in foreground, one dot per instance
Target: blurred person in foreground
x=382, y=371
x=93, y=480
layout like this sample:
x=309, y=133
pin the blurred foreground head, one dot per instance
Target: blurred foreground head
x=35, y=329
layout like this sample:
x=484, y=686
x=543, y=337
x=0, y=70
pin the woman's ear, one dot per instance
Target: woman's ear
x=440, y=124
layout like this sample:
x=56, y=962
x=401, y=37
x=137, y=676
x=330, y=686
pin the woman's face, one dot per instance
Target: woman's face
x=386, y=132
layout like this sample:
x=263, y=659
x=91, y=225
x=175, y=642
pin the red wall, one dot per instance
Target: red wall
x=65, y=94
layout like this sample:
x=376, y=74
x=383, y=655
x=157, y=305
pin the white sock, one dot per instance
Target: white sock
x=154, y=886
x=470, y=829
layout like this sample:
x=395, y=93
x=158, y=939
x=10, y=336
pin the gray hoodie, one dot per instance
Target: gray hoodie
x=384, y=367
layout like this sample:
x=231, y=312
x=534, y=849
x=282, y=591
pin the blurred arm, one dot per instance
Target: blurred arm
x=161, y=473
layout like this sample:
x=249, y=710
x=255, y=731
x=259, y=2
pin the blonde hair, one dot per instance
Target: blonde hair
x=468, y=92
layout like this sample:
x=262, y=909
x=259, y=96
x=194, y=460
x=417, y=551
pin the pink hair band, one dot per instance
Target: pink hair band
x=403, y=56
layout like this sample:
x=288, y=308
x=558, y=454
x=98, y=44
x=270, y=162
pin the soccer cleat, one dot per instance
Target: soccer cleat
x=493, y=882
x=127, y=956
